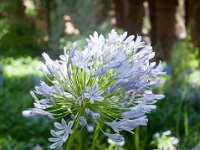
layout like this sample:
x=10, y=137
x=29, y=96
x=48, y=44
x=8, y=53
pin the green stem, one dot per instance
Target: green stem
x=137, y=139
x=72, y=137
x=75, y=128
x=111, y=146
x=95, y=137
x=186, y=121
x=179, y=114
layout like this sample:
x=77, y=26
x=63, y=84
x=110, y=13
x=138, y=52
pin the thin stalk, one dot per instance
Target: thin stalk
x=95, y=137
x=179, y=114
x=186, y=127
x=111, y=146
x=75, y=128
x=72, y=137
x=137, y=139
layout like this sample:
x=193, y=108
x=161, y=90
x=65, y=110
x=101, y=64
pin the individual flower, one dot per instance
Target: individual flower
x=109, y=83
x=115, y=137
x=60, y=136
x=93, y=94
x=83, y=121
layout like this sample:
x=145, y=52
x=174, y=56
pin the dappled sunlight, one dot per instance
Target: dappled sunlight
x=69, y=26
x=19, y=67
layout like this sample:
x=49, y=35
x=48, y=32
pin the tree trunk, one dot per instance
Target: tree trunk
x=193, y=19
x=41, y=19
x=20, y=10
x=16, y=12
x=187, y=11
x=162, y=17
x=152, y=16
x=196, y=25
x=135, y=16
x=102, y=8
x=58, y=10
x=120, y=13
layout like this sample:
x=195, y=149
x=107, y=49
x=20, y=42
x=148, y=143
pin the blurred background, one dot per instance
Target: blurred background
x=30, y=27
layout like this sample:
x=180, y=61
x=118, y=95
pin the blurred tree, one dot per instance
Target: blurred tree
x=192, y=17
x=20, y=11
x=42, y=8
x=102, y=10
x=152, y=15
x=162, y=18
x=135, y=16
x=57, y=23
x=83, y=15
x=14, y=11
x=129, y=15
x=120, y=9
x=188, y=11
x=17, y=32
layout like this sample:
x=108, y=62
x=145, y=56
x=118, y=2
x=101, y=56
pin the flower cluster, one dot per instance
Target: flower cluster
x=108, y=83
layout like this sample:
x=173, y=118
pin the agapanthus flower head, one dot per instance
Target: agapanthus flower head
x=108, y=83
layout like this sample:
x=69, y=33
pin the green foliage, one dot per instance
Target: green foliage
x=17, y=39
x=17, y=132
x=17, y=33
x=180, y=110
x=185, y=65
x=184, y=86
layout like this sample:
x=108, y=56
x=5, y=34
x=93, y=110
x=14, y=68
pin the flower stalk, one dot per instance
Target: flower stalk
x=72, y=137
x=96, y=133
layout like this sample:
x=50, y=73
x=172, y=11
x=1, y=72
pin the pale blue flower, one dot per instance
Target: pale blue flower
x=44, y=103
x=87, y=111
x=150, y=98
x=90, y=128
x=60, y=136
x=82, y=61
x=100, y=71
x=57, y=141
x=93, y=94
x=43, y=89
x=130, y=124
x=35, y=111
x=127, y=124
x=83, y=121
x=115, y=137
x=71, y=53
x=95, y=115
